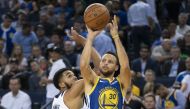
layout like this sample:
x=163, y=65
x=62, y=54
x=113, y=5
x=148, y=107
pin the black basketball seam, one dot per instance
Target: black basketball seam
x=85, y=13
x=97, y=16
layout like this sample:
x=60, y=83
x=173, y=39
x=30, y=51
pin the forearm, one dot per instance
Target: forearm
x=95, y=56
x=122, y=55
x=86, y=54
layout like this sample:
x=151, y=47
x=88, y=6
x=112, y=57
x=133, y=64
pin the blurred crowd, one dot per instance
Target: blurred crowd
x=35, y=41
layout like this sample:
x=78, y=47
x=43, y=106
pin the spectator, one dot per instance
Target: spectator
x=64, y=8
x=26, y=39
x=43, y=40
x=16, y=99
x=131, y=101
x=57, y=38
x=36, y=53
x=149, y=101
x=182, y=28
x=164, y=35
x=185, y=85
x=150, y=81
x=35, y=79
x=13, y=70
x=162, y=53
x=44, y=20
x=4, y=67
x=140, y=19
x=61, y=22
x=174, y=36
x=185, y=44
x=182, y=74
x=18, y=54
x=51, y=14
x=144, y=62
x=70, y=54
x=22, y=17
x=57, y=64
x=7, y=33
x=173, y=67
x=170, y=98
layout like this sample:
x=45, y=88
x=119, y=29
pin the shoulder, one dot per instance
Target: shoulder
x=24, y=94
x=136, y=61
x=7, y=95
x=18, y=33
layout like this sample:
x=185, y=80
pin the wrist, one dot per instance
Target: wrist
x=115, y=36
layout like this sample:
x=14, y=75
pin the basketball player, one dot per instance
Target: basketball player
x=106, y=91
x=71, y=94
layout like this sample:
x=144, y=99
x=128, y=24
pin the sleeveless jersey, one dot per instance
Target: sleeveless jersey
x=59, y=104
x=106, y=95
x=170, y=102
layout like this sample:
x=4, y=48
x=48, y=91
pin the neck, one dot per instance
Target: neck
x=144, y=59
x=15, y=93
x=109, y=77
x=182, y=25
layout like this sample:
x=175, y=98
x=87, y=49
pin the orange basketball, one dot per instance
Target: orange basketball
x=96, y=16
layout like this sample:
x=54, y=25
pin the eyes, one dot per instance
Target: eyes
x=108, y=61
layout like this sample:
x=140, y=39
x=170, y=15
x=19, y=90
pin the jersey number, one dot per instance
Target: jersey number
x=112, y=96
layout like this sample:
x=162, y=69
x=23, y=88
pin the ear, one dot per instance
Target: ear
x=117, y=67
x=61, y=84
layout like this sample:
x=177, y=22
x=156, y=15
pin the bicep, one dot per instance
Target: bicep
x=77, y=89
x=125, y=78
x=88, y=74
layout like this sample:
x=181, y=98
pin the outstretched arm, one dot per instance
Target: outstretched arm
x=81, y=40
x=125, y=74
x=86, y=71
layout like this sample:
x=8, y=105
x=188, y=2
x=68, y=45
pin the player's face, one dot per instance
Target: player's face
x=108, y=65
x=69, y=78
x=149, y=103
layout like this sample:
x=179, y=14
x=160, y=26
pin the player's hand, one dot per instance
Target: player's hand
x=114, y=27
x=92, y=33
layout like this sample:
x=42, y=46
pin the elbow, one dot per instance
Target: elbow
x=83, y=64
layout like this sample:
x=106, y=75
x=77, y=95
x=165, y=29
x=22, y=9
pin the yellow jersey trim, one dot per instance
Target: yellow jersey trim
x=120, y=86
x=95, y=84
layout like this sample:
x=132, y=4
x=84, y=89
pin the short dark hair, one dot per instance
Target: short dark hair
x=58, y=76
x=115, y=55
x=26, y=25
x=156, y=87
x=144, y=46
x=150, y=95
x=15, y=78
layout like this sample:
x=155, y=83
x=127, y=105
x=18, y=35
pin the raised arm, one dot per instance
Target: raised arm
x=86, y=71
x=81, y=40
x=125, y=74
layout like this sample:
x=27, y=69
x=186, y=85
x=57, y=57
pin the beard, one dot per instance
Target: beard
x=67, y=85
x=107, y=73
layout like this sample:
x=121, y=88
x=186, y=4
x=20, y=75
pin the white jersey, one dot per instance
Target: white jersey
x=58, y=102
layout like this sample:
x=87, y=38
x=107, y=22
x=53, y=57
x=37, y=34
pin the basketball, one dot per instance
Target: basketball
x=96, y=16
